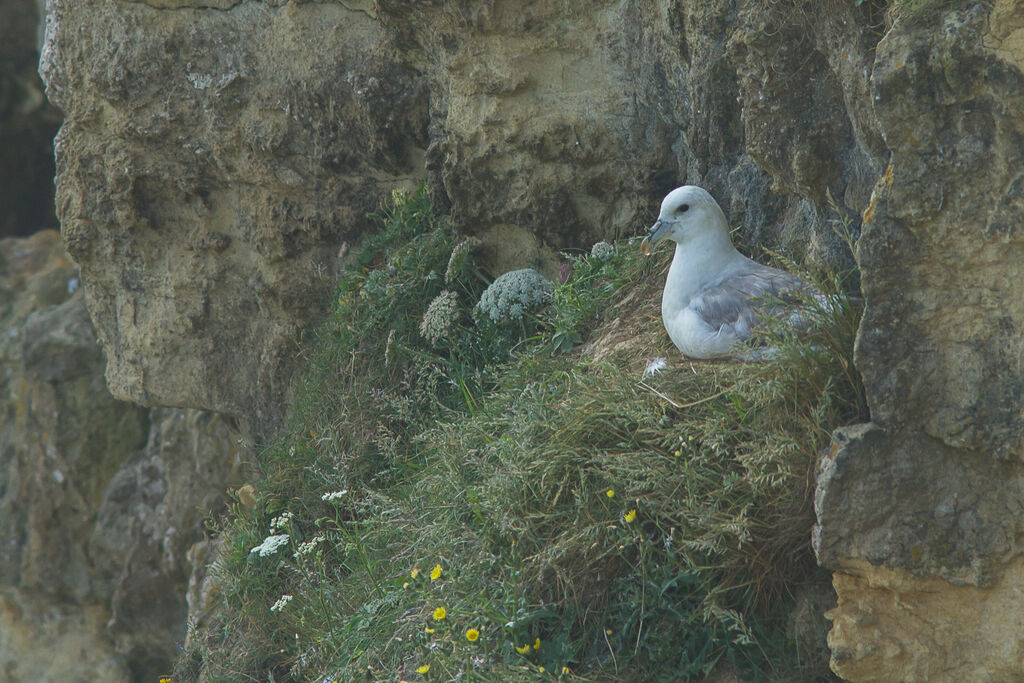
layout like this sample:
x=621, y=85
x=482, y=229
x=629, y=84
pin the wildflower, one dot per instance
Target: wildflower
x=610, y=493
x=540, y=668
x=472, y=634
x=405, y=585
x=629, y=516
x=428, y=630
x=333, y=495
x=458, y=258
x=281, y=602
x=307, y=547
x=512, y=294
x=435, y=573
x=280, y=522
x=678, y=453
x=524, y=649
x=440, y=317
x=602, y=251
x=415, y=572
x=423, y=669
x=270, y=545
x=565, y=670
x=440, y=613
x=536, y=644
x=165, y=679
x=655, y=366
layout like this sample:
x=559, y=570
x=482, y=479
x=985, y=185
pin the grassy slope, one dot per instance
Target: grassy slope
x=586, y=521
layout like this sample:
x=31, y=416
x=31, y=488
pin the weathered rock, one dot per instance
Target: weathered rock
x=27, y=125
x=893, y=626
x=45, y=640
x=920, y=512
x=99, y=500
x=221, y=177
x=216, y=153
x=221, y=161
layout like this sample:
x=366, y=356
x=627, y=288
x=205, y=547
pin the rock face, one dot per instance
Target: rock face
x=216, y=154
x=920, y=512
x=220, y=158
x=100, y=500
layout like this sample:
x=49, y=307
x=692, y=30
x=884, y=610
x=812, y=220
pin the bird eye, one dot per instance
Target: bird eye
x=683, y=208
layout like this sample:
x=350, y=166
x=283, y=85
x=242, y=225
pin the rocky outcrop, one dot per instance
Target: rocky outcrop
x=920, y=512
x=100, y=500
x=221, y=158
x=217, y=154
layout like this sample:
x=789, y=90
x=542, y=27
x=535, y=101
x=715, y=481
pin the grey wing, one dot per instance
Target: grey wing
x=732, y=304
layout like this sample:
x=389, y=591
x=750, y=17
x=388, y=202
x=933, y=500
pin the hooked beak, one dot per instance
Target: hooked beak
x=655, y=234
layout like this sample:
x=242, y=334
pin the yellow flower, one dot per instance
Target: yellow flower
x=678, y=453
x=440, y=613
x=536, y=644
x=405, y=585
x=565, y=670
x=435, y=573
x=423, y=669
x=165, y=679
x=524, y=649
x=541, y=669
x=415, y=572
x=610, y=493
x=630, y=516
x=472, y=634
x=428, y=629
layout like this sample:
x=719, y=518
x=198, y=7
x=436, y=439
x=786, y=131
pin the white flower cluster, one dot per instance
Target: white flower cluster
x=334, y=495
x=440, y=317
x=270, y=545
x=513, y=294
x=281, y=602
x=281, y=522
x=602, y=251
x=307, y=547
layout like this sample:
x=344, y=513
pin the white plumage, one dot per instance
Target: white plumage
x=713, y=294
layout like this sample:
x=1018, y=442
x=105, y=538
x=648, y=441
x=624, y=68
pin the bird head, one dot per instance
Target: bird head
x=686, y=211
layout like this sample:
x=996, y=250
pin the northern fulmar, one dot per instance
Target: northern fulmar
x=714, y=295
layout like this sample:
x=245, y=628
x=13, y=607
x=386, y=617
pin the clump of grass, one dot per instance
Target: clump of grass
x=473, y=505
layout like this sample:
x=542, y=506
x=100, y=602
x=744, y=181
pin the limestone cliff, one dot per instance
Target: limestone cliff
x=100, y=500
x=217, y=154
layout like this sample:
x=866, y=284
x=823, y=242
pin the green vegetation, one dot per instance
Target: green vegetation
x=477, y=500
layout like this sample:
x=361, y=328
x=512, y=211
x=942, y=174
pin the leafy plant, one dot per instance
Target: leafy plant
x=465, y=503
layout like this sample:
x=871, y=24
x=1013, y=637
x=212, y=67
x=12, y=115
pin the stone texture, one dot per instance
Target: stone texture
x=221, y=177
x=224, y=174
x=920, y=512
x=216, y=154
x=893, y=626
x=100, y=500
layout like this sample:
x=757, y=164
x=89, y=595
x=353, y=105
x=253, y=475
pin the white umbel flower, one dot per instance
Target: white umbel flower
x=270, y=545
x=281, y=602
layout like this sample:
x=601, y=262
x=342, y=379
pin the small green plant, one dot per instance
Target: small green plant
x=453, y=499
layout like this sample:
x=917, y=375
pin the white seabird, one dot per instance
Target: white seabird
x=713, y=296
